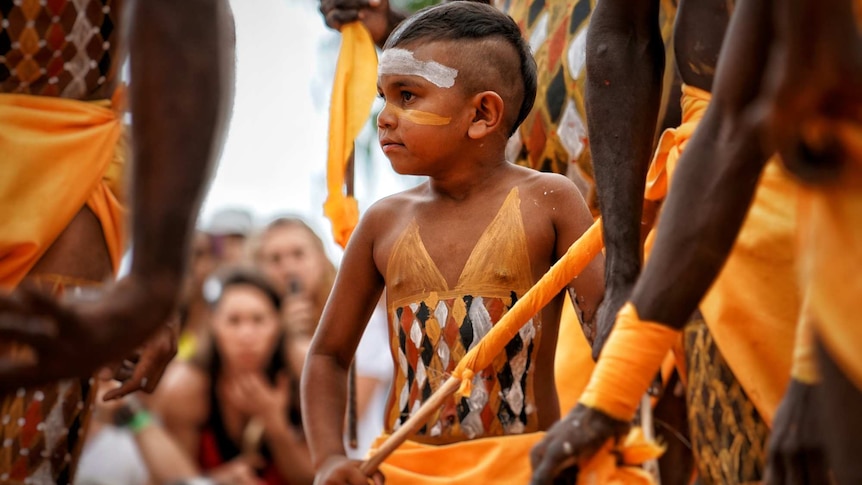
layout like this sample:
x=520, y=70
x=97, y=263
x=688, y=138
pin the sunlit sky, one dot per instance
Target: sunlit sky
x=275, y=152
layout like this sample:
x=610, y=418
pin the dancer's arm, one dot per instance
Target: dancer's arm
x=625, y=65
x=715, y=182
x=181, y=87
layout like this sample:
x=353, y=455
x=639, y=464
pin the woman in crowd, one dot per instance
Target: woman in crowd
x=236, y=410
x=292, y=256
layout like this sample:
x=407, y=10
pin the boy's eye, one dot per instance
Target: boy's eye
x=406, y=95
x=381, y=95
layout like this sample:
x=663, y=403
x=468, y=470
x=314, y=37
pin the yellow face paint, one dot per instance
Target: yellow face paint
x=418, y=117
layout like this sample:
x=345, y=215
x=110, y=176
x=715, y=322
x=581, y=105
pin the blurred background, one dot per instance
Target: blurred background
x=275, y=154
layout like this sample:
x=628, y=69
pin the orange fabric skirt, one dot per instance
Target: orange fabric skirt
x=500, y=460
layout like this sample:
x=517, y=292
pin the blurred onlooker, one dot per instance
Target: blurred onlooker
x=127, y=445
x=293, y=257
x=110, y=455
x=230, y=229
x=235, y=409
x=194, y=309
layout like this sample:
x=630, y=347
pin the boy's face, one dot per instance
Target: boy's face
x=426, y=115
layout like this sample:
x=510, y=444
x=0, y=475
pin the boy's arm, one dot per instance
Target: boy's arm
x=324, y=380
x=625, y=65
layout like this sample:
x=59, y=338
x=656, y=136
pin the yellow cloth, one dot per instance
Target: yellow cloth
x=753, y=306
x=498, y=460
x=561, y=273
x=830, y=225
x=573, y=362
x=352, y=94
x=57, y=155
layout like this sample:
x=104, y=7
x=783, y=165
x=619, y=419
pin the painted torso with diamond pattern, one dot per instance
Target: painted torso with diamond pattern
x=432, y=326
x=64, y=48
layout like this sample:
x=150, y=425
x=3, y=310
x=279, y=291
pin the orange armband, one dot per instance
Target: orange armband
x=628, y=364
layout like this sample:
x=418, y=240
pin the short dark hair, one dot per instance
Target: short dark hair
x=457, y=21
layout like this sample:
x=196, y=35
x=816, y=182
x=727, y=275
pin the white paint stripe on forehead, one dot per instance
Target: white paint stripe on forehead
x=401, y=62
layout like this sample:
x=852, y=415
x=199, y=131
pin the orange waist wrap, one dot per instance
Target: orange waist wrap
x=58, y=155
x=753, y=306
x=503, y=460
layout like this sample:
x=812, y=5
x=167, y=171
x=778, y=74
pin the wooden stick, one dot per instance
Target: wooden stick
x=413, y=424
x=352, y=418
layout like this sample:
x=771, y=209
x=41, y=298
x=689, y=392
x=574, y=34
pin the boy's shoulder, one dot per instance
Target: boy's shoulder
x=389, y=210
x=395, y=203
x=533, y=182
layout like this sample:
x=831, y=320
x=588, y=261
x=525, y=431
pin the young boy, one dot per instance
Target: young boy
x=454, y=254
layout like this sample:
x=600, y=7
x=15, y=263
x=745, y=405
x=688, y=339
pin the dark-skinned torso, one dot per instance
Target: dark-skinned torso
x=698, y=33
x=68, y=49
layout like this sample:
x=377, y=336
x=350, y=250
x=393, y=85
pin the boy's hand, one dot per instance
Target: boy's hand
x=576, y=437
x=340, y=470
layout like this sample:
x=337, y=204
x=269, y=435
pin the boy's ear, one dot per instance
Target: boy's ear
x=488, y=117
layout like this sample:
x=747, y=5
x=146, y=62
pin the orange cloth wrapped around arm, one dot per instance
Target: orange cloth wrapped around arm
x=626, y=367
x=352, y=94
x=628, y=364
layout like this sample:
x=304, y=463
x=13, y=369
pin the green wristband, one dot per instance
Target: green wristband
x=139, y=421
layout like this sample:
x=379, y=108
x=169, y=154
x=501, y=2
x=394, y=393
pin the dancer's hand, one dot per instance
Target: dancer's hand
x=574, y=438
x=143, y=370
x=795, y=449
x=340, y=470
x=73, y=339
x=376, y=15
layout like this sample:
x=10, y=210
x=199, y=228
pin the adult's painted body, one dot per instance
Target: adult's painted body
x=58, y=68
x=766, y=63
x=726, y=360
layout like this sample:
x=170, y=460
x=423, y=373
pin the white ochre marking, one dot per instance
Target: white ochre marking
x=397, y=61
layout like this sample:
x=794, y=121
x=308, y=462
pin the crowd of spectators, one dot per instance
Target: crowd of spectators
x=227, y=409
